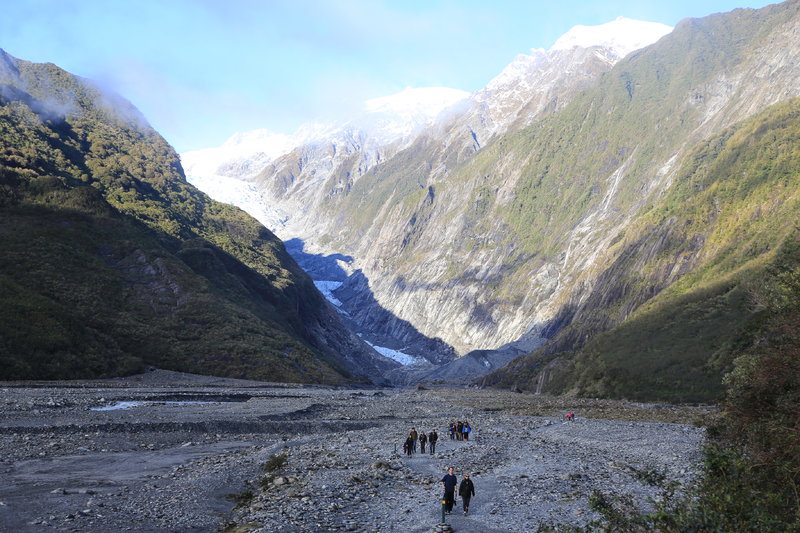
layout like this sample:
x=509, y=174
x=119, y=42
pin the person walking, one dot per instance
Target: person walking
x=408, y=446
x=414, y=436
x=466, y=429
x=423, y=440
x=432, y=441
x=466, y=490
x=449, y=483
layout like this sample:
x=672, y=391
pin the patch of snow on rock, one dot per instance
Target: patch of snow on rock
x=327, y=288
x=242, y=194
x=400, y=116
x=400, y=357
x=417, y=104
x=245, y=154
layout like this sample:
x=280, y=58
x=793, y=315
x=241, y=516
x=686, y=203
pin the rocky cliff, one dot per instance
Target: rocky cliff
x=481, y=247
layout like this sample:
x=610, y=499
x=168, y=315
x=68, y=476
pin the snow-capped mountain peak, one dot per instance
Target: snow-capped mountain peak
x=518, y=69
x=622, y=35
x=386, y=119
x=532, y=80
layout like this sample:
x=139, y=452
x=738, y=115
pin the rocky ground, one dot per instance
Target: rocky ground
x=207, y=454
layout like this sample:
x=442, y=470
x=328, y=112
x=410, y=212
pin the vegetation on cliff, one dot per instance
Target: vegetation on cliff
x=704, y=249
x=112, y=261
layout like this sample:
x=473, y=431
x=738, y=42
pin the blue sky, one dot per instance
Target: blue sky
x=202, y=70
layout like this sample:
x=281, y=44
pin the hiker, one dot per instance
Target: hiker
x=466, y=490
x=423, y=439
x=459, y=429
x=466, y=429
x=452, y=431
x=449, y=482
x=414, y=440
x=408, y=445
x=570, y=417
x=432, y=441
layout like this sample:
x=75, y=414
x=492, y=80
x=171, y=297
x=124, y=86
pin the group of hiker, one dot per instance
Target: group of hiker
x=429, y=440
x=460, y=430
x=466, y=489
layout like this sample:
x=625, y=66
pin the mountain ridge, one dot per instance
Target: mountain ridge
x=309, y=184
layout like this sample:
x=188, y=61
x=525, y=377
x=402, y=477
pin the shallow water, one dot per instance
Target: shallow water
x=130, y=404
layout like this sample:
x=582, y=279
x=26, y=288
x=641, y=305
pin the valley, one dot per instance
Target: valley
x=240, y=338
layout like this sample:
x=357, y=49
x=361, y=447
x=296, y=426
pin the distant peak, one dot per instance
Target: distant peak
x=622, y=35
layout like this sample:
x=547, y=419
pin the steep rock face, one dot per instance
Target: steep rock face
x=691, y=284
x=111, y=260
x=525, y=227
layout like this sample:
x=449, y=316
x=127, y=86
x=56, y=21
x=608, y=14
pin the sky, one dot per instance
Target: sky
x=202, y=70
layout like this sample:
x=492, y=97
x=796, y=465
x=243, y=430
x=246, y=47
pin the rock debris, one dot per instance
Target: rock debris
x=204, y=454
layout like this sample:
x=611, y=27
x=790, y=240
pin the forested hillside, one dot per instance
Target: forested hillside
x=707, y=249
x=112, y=261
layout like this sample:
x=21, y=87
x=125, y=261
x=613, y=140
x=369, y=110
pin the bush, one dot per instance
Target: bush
x=274, y=463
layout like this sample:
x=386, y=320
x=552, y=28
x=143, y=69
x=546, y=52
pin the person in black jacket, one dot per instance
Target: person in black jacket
x=466, y=490
x=432, y=438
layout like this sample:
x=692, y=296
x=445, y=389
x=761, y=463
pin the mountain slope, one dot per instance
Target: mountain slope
x=667, y=318
x=336, y=197
x=544, y=222
x=112, y=260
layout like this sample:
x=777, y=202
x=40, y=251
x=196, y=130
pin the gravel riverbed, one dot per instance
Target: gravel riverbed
x=208, y=454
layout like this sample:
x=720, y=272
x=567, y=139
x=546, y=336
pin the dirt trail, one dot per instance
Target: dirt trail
x=488, y=485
